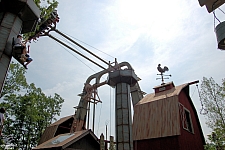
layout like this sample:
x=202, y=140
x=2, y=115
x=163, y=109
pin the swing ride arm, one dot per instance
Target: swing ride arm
x=89, y=94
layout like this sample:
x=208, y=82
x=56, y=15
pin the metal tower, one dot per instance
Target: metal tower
x=16, y=16
x=123, y=80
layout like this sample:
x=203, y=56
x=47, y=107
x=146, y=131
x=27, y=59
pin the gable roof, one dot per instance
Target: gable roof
x=162, y=95
x=61, y=120
x=51, y=129
x=64, y=140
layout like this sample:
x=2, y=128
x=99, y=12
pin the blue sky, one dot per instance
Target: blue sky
x=178, y=34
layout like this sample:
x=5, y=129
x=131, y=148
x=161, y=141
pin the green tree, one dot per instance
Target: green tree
x=46, y=7
x=213, y=97
x=29, y=110
x=15, y=80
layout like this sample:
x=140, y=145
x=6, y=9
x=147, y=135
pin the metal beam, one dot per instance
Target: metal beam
x=74, y=50
x=80, y=46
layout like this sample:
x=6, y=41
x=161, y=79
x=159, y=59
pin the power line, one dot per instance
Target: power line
x=54, y=38
x=81, y=46
x=193, y=92
x=77, y=47
x=76, y=57
x=89, y=45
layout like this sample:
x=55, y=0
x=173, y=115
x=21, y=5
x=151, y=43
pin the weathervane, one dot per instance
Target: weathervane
x=162, y=70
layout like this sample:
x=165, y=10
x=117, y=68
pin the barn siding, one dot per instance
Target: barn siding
x=164, y=143
x=190, y=141
x=156, y=119
x=145, y=113
x=85, y=143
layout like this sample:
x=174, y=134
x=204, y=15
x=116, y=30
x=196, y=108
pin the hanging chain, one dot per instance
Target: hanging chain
x=221, y=10
x=214, y=14
x=203, y=111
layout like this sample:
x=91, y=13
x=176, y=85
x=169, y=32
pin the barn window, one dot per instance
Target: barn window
x=186, y=118
x=187, y=124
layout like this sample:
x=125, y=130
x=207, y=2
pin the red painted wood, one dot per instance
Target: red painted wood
x=186, y=140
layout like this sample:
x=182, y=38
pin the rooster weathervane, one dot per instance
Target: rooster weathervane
x=162, y=70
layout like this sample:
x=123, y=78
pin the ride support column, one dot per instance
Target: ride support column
x=10, y=26
x=123, y=80
x=16, y=16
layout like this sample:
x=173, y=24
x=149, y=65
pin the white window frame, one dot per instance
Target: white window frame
x=184, y=120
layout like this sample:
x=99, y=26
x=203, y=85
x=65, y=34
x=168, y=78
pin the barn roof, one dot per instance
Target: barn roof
x=162, y=95
x=64, y=140
x=157, y=114
x=61, y=120
x=51, y=129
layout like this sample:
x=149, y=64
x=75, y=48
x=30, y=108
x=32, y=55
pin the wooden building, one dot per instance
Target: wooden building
x=80, y=140
x=61, y=126
x=167, y=120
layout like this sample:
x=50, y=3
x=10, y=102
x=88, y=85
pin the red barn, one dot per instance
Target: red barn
x=167, y=120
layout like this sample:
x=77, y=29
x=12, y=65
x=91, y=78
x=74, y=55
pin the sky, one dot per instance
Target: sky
x=178, y=34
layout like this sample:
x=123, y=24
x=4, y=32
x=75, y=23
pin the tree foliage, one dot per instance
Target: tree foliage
x=213, y=97
x=46, y=7
x=29, y=110
x=15, y=80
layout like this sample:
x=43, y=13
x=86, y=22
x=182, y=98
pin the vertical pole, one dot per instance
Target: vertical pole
x=93, y=125
x=88, y=111
x=162, y=78
x=111, y=146
x=106, y=142
x=106, y=131
x=102, y=142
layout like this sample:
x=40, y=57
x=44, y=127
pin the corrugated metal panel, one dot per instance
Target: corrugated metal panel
x=4, y=62
x=8, y=20
x=15, y=30
x=10, y=26
x=4, y=33
x=5, y=29
x=156, y=119
x=123, y=117
x=33, y=7
x=17, y=26
x=27, y=9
